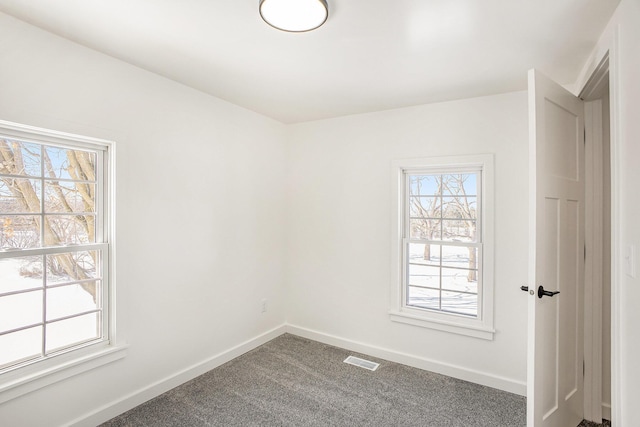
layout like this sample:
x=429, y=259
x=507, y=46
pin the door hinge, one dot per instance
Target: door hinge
x=584, y=136
x=585, y=252
x=583, y=369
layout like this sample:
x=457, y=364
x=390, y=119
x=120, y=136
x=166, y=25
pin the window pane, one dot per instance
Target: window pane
x=424, y=275
x=470, y=185
x=464, y=184
x=423, y=298
x=20, y=273
x=21, y=345
x=460, y=207
x=25, y=158
x=19, y=232
x=72, y=331
x=72, y=266
x=69, y=197
x=69, y=230
x=420, y=253
x=460, y=303
x=459, y=230
x=460, y=256
x=19, y=195
x=460, y=280
x=70, y=164
x=71, y=299
x=425, y=207
x=20, y=310
x=428, y=185
x=427, y=229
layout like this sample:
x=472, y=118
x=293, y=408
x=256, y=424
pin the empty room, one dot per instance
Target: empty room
x=319, y=213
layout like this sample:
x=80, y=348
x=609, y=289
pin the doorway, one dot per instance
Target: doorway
x=597, y=353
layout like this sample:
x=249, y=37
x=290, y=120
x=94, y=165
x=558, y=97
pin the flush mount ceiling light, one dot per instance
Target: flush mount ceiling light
x=295, y=16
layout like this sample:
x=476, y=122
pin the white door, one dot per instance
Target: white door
x=556, y=257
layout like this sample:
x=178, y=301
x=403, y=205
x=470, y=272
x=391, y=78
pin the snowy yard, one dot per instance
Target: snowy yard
x=36, y=305
x=442, y=282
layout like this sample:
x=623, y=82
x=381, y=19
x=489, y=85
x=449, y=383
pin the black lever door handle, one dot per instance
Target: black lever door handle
x=543, y=293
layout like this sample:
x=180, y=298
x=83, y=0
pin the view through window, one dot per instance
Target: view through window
x=443, y=241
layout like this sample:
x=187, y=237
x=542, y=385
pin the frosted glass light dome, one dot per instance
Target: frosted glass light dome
x=294, y=15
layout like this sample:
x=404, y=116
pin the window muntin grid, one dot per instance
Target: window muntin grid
x=443, y=241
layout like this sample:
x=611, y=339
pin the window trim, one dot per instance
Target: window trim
x=23, y=379
x=482, y=326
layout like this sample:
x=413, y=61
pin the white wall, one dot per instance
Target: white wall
x=200, y=208
x=339, y=177
x=622, y=39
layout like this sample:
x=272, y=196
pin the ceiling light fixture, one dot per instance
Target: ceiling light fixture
x=295, y=16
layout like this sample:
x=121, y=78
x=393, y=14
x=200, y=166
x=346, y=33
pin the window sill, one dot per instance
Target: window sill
x=459, y=327
x=30, y=378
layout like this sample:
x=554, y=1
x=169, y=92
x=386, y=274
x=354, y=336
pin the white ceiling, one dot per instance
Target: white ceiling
x=370, y=55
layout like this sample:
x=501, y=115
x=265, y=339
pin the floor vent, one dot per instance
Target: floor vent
x=366, y=364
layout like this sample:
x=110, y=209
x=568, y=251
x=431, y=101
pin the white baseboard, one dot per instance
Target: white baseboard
x=606, y=411
x=138, y=397
x=474, y=376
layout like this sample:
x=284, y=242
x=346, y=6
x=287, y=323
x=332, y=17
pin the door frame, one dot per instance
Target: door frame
x=604, y=63
x=594, y=240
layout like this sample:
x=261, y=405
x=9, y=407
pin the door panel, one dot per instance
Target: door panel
x=549, y=309
x=555, y=328
x=570, y=356
x=561, y=129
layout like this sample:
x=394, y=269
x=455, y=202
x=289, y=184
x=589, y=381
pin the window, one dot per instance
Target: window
x=54, y=246
x=443, y=244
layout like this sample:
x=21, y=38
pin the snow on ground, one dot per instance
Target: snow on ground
x=24, y=309
x=458, y=294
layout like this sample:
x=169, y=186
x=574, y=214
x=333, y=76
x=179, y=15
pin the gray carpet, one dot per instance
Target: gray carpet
x=292, y=381
x=605, y=423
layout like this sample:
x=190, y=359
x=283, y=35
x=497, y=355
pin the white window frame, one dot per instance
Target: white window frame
x=478, y=327
x=21, y=379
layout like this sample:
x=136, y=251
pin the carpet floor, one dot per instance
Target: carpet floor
x=605, y=423
x=292, y=381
